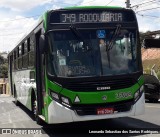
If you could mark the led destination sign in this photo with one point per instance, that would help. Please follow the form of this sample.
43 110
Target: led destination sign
98 16
91 17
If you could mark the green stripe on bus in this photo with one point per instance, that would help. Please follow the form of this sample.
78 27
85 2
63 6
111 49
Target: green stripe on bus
93 7
96 97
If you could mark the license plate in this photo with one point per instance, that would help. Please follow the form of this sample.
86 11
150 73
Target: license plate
102 111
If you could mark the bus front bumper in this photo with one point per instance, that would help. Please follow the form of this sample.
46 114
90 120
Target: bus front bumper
58 113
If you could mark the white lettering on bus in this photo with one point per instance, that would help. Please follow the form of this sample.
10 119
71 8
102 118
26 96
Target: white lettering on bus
80 17
91 17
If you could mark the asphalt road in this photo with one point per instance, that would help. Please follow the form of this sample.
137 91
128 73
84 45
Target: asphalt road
15 117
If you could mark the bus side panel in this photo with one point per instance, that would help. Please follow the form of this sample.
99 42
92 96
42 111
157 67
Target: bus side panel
23 87
140 106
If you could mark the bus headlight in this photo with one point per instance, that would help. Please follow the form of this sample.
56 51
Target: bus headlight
54 95
136 95
59 98
141 89
65 101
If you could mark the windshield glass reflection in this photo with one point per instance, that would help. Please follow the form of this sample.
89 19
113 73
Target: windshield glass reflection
92 54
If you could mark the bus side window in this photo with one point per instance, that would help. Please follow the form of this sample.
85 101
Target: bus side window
20 63
25 55
20 57
15 56
31 47
16 59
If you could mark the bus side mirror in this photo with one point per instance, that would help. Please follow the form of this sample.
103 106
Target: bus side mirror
151 43
42 44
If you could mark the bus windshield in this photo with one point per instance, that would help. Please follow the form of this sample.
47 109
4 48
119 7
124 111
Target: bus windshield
92 54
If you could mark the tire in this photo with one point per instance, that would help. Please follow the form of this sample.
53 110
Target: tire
150 100
154 87
150 79
15 96
34 110
155 100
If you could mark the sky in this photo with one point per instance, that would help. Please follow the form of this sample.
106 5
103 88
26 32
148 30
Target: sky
19 16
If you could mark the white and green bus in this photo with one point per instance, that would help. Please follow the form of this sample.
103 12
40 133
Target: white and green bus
79 64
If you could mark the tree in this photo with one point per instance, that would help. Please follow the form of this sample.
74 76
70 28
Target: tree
1 60
3 68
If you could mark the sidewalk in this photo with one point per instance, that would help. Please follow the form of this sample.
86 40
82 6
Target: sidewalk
5 95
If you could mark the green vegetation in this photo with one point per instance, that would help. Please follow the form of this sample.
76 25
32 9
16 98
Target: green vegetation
3 67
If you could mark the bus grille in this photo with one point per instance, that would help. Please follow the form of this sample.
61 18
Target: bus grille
93 85
118 107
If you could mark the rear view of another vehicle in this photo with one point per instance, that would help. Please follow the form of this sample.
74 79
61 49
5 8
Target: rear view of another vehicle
152 88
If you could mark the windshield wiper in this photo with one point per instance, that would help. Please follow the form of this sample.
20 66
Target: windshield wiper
76 32
114 36
80 37
111 43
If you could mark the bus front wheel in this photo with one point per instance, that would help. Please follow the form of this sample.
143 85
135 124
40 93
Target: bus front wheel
15 96
34 109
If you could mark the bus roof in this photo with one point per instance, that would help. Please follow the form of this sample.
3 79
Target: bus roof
93 7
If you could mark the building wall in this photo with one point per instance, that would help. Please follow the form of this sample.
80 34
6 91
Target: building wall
4 86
